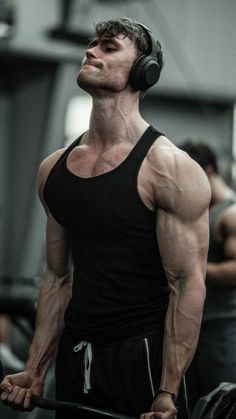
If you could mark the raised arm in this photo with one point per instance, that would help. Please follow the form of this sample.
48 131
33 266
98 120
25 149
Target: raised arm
182 197
53 299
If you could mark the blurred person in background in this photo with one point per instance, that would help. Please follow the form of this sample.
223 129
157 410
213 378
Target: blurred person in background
119 202
215 358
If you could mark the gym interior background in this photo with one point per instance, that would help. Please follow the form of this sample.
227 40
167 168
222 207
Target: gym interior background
42 43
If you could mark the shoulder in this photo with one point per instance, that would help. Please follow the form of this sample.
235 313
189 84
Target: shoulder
168 156
48 163
45 168
177 178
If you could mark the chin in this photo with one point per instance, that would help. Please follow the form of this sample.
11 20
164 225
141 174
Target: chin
88 85
91 83
85 82
87 77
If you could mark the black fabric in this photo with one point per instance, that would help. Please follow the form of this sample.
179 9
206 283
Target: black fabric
120 379
119 288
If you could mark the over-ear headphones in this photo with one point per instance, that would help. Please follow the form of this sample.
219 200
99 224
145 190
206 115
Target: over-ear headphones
146 70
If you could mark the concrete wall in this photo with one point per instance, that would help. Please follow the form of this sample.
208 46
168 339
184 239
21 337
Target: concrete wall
198 37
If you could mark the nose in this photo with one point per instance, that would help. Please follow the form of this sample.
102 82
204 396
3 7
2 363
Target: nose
91 52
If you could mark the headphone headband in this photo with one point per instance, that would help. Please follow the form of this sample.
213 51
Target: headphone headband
152 46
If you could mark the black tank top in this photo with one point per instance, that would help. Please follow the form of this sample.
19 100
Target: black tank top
119 285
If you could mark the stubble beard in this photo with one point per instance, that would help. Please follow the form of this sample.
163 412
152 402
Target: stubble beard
96 82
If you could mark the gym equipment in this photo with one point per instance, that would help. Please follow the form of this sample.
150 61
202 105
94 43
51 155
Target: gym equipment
60 405
218 404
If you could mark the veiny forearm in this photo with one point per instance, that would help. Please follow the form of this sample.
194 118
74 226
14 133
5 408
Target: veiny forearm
181 332
222 274
54 296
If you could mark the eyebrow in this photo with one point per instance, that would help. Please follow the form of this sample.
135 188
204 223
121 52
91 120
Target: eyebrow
104 41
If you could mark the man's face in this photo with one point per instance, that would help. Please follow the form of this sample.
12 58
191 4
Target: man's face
107 64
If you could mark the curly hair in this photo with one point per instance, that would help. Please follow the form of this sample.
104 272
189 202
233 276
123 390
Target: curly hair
130 29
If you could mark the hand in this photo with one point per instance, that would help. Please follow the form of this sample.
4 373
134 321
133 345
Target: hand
17 390
162 408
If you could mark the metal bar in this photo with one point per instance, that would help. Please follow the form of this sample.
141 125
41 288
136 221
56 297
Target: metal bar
60 405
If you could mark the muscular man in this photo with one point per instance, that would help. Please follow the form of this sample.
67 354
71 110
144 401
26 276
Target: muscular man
131 211
215 357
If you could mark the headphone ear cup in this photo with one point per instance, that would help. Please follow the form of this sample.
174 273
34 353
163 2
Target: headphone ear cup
144 73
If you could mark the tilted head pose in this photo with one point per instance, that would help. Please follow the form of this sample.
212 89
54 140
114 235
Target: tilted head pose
127 240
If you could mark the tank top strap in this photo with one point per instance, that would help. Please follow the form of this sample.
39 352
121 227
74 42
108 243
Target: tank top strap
68 150
73 144
142 147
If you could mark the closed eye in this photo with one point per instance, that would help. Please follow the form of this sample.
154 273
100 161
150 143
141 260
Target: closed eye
109 45
109 49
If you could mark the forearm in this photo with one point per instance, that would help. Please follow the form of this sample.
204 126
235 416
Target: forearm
181 333
222 274
54 296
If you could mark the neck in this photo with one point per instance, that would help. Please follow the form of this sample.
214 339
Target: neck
114 120
220 191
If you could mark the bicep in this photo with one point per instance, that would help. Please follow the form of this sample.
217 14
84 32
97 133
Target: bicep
57 243
57 247
43 172
183 244
182 227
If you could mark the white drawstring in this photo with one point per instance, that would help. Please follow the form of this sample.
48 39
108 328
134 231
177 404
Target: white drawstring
87 362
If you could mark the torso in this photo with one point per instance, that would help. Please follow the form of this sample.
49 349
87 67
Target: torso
85 162
120 225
